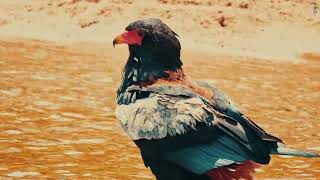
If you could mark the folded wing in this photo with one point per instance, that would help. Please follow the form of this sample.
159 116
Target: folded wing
174 124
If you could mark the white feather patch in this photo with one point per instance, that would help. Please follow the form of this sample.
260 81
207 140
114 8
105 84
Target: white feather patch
159 115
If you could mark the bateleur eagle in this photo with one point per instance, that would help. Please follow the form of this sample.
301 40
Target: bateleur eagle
184 129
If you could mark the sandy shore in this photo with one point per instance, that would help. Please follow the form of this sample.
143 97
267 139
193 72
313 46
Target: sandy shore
59 73
277 30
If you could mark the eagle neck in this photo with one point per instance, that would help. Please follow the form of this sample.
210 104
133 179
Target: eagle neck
143 70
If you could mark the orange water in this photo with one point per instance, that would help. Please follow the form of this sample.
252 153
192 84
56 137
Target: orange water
57 110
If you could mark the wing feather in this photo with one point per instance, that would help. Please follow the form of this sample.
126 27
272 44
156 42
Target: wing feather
169 111
161 111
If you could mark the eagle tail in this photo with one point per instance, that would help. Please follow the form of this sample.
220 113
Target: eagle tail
281 149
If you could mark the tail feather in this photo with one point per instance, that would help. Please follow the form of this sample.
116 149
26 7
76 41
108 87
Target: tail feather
241 171
281 149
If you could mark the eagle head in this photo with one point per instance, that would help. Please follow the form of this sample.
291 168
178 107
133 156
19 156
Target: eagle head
154 50
148 32
152 42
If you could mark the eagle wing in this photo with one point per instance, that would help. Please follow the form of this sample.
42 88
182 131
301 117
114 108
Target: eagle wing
198 134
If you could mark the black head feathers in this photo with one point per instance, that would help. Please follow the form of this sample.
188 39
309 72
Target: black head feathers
151 25
155 34
154 49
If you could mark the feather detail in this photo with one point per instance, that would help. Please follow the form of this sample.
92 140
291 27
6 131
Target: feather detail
281 149
241 171
159 111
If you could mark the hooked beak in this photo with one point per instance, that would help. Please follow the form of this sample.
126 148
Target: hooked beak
120 39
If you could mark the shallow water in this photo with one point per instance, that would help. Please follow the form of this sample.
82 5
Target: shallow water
57 111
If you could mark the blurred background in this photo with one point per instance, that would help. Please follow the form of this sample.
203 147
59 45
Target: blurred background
59 74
